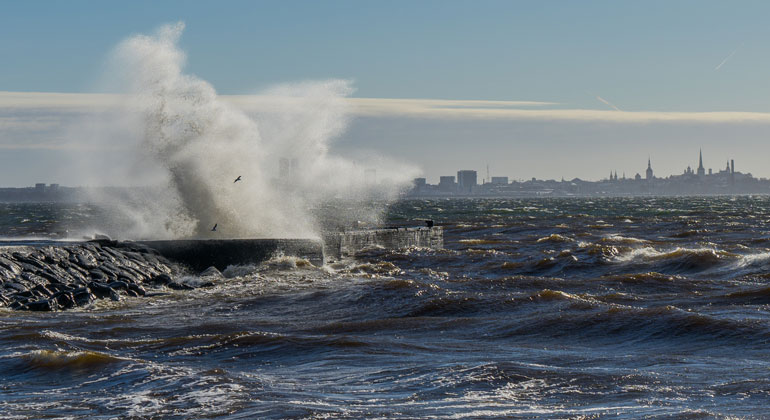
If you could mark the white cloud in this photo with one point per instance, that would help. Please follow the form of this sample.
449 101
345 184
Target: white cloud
11 102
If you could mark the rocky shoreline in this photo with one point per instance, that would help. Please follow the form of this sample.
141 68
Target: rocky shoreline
50 278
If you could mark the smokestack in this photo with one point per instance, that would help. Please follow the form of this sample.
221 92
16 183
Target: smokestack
732 166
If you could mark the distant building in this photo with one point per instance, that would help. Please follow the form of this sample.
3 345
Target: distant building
466 181
284 169
649 170
447 184
701 169
500 180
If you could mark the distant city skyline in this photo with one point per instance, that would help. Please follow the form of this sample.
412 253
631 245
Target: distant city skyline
647 173
550 90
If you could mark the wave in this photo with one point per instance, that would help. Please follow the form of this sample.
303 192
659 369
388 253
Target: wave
754 260
75 360
591 319
622 240
679 259
480 241
555 237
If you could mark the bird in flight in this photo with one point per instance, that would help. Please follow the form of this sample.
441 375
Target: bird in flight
237 179
214 229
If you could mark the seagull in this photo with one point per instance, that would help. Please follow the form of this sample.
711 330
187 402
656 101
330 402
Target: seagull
214 229
237 179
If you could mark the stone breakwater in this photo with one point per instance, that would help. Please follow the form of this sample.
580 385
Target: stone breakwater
55 277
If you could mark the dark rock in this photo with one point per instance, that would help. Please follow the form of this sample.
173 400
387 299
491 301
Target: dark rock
137 289
114 296
10 265
118 285
32 279
28 259
86 261
97 275
24 294
42 290
99 290
58 287
41 305
108 274
82 297
27 268
61 275
179 286
64 299
161 279
15 286
76 274
6 274
55 254
46 274
128 277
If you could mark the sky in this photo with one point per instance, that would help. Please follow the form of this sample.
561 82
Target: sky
545 89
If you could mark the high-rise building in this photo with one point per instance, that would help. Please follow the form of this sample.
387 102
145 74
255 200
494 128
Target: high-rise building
466 181
447 184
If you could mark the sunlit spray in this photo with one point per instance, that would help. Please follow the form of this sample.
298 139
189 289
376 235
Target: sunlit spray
198 143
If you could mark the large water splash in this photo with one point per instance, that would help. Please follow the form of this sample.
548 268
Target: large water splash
277 143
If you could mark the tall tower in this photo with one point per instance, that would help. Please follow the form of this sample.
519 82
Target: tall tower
732 171
649 170
701 169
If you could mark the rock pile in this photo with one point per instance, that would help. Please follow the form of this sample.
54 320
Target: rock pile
60 277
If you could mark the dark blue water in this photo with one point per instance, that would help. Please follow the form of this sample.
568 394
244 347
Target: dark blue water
551 308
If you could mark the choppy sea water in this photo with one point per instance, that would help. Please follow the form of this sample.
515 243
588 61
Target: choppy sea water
542 308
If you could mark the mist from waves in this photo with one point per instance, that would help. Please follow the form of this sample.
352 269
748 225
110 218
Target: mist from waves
187 146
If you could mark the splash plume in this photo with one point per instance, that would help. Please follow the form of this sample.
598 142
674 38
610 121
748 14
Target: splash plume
202 143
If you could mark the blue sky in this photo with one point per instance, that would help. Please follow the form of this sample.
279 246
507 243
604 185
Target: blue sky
660 56
652 55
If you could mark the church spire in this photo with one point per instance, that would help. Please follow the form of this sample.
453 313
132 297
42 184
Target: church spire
649 169
701 170
700 159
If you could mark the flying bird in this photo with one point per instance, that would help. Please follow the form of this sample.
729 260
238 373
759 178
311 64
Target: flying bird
214 229
237 179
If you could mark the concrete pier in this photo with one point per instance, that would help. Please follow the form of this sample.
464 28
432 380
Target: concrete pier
348 244
200 254
203 253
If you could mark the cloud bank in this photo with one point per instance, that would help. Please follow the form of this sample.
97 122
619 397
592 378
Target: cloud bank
519 138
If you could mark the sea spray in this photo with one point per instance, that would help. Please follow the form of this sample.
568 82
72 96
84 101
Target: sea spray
279 144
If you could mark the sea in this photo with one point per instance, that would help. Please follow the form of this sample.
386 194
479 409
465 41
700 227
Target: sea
556 308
